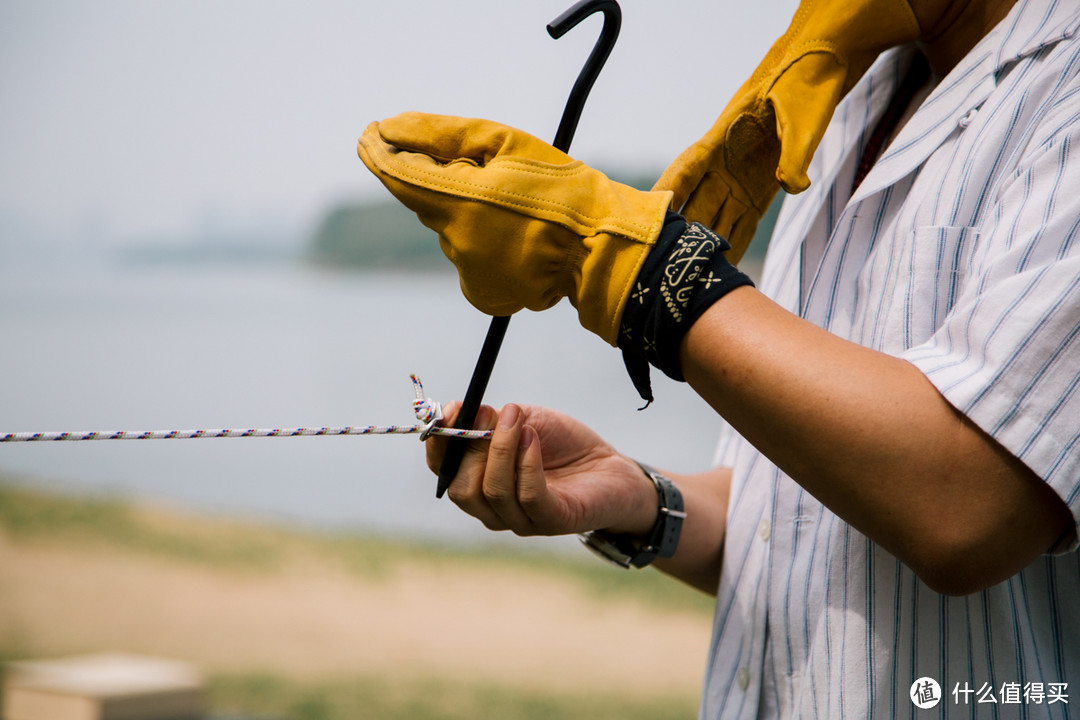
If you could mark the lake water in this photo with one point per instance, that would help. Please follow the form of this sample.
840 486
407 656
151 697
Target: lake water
93 344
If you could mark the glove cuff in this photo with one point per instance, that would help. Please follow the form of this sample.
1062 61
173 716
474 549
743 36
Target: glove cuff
686 272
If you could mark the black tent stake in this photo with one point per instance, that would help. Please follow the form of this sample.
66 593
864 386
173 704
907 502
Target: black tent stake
455 450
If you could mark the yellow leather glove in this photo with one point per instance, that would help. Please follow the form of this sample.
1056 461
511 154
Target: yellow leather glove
525 224
767 134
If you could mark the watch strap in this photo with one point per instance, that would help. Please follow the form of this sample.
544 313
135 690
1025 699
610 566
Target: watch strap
662 539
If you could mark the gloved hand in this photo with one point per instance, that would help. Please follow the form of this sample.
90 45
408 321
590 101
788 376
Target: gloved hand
767 134
525 224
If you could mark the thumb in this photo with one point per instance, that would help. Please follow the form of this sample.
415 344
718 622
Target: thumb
804 99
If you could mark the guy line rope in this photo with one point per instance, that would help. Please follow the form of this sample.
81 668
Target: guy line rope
428 412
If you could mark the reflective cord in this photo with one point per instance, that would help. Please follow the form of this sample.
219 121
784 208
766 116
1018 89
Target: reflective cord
428 412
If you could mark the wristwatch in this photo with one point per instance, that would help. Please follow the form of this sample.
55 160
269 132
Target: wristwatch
662 539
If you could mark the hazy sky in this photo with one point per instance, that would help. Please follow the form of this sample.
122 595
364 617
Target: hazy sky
144 118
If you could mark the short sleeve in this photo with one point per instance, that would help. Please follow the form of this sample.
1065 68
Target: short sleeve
1008 352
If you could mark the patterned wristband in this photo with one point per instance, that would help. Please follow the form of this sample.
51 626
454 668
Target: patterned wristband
682 277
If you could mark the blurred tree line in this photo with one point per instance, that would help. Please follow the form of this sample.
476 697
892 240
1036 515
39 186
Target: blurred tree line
385 234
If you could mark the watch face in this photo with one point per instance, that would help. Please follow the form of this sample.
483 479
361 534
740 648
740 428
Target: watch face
605 549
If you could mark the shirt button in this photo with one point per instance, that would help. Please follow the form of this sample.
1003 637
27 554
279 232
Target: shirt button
743 678
763 531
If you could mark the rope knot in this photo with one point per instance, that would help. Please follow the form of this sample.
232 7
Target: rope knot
427 411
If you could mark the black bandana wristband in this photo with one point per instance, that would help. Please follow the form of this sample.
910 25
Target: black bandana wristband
684 274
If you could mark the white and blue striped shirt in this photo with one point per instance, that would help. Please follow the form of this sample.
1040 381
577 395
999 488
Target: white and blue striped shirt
960 252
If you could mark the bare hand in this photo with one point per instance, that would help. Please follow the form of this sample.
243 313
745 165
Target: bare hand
544 473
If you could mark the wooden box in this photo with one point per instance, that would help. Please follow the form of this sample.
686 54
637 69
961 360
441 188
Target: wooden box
103 687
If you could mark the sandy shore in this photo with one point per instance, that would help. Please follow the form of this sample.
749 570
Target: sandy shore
309 616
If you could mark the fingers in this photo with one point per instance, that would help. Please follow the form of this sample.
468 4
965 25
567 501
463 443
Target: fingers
501 474
533 492
448 138
501 481
441 136
682 176
731 213
467 488
742 232
707 201
435 445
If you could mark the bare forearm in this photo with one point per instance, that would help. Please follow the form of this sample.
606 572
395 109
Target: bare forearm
871 438
697 560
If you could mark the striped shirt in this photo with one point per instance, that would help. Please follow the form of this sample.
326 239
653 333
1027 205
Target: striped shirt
960 252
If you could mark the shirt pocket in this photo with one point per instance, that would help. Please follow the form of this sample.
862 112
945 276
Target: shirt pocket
924 275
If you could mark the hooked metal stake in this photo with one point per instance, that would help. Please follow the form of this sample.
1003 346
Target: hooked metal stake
609 33
558 27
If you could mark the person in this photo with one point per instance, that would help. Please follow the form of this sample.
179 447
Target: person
892 520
